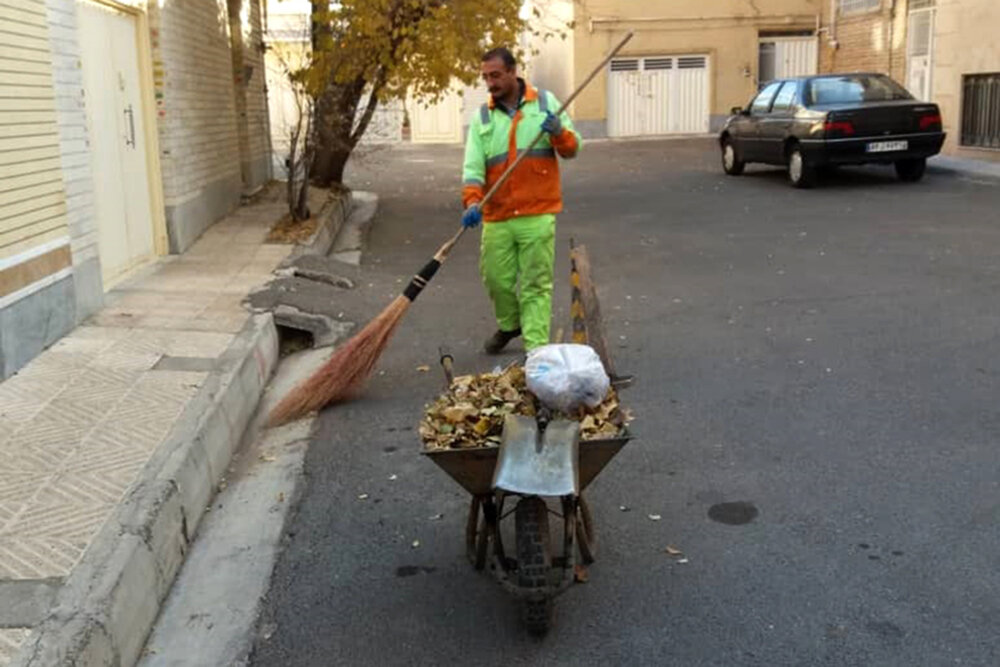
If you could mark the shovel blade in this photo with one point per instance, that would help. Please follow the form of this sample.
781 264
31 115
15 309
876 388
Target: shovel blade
538 463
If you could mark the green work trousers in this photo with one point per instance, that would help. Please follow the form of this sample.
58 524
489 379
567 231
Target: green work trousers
520 253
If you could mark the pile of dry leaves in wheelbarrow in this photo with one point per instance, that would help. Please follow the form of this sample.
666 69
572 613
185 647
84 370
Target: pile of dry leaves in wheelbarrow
472 413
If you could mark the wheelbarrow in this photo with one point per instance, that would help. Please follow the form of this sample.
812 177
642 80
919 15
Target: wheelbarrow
542 468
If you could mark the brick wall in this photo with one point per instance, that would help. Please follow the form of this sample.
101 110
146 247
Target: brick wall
74 152
194 89
868 42
258 127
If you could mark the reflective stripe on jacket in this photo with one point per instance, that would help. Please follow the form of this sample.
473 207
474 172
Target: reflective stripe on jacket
494 142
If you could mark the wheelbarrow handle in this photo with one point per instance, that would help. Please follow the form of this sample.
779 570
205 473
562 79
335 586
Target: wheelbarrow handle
447 365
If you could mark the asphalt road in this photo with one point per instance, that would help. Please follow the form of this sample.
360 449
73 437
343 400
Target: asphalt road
830 357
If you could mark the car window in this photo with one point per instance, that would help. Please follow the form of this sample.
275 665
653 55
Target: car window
762 103
855 89
785 100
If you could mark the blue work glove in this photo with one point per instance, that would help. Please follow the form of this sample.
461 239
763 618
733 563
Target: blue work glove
472 217
552 124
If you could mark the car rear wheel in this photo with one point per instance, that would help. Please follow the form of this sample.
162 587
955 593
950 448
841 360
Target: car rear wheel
911 171
801 174
731 163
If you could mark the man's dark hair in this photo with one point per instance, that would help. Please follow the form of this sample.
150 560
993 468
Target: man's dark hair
504 54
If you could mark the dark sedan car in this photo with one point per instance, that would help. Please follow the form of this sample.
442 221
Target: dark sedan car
809 123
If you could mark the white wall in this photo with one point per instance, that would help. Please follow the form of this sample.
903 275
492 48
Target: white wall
552 67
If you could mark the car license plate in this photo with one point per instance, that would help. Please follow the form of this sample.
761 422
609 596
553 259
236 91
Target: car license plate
887 146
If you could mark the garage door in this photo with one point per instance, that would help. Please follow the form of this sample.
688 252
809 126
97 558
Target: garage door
658 95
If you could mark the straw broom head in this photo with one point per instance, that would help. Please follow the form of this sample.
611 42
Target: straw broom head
344 374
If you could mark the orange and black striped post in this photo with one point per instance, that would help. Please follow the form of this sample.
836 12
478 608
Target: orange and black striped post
585 310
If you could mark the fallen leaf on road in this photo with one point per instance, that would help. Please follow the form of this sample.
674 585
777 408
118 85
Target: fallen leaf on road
281 497
580 574
416 544
267 458
423 369
674 552
654 517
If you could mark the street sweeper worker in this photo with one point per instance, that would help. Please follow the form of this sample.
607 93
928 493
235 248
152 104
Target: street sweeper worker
518 239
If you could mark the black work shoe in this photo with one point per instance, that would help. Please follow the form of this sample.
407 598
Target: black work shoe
499 340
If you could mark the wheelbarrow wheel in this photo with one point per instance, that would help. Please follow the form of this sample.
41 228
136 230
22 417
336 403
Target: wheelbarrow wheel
534 562
476 535
586 538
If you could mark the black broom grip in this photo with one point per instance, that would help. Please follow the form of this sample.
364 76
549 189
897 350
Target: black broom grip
419 281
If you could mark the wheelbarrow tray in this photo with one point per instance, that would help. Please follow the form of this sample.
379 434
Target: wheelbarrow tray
473 468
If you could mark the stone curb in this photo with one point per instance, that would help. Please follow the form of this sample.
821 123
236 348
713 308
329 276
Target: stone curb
109 603
350 243
332 216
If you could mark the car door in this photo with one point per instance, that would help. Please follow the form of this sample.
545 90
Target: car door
773 127
759 108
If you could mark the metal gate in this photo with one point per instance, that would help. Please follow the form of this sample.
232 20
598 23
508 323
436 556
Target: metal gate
439 122
920 50
785 57
658 95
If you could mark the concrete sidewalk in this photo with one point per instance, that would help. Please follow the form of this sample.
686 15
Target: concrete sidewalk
112 441
966 167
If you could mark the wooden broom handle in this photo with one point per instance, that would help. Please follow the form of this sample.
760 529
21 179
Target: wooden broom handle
442 253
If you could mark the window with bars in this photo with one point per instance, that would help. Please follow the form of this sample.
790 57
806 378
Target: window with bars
856 6
981 110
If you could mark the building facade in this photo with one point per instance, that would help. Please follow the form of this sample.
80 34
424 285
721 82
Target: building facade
943 51
126 129
966 75
864 36
688 64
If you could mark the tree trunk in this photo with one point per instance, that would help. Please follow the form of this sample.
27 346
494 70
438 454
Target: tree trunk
328 169
335 112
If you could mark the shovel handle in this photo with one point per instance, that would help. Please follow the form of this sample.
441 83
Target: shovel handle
447 365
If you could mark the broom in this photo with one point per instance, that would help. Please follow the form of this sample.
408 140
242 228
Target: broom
344 374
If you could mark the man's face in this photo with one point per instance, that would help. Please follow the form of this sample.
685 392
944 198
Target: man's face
500 81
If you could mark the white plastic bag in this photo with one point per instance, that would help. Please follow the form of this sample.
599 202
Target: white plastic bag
564 377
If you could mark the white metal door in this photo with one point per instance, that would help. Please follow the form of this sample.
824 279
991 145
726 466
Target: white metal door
658 95
122 201
786 57
795 57
919 52
626 98
689 109
437 123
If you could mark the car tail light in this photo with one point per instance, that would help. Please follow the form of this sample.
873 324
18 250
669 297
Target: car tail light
930 122
844 128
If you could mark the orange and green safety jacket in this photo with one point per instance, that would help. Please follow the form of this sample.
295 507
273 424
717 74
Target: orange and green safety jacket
495 140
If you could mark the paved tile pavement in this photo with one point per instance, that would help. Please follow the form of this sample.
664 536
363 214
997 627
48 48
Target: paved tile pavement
79 422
